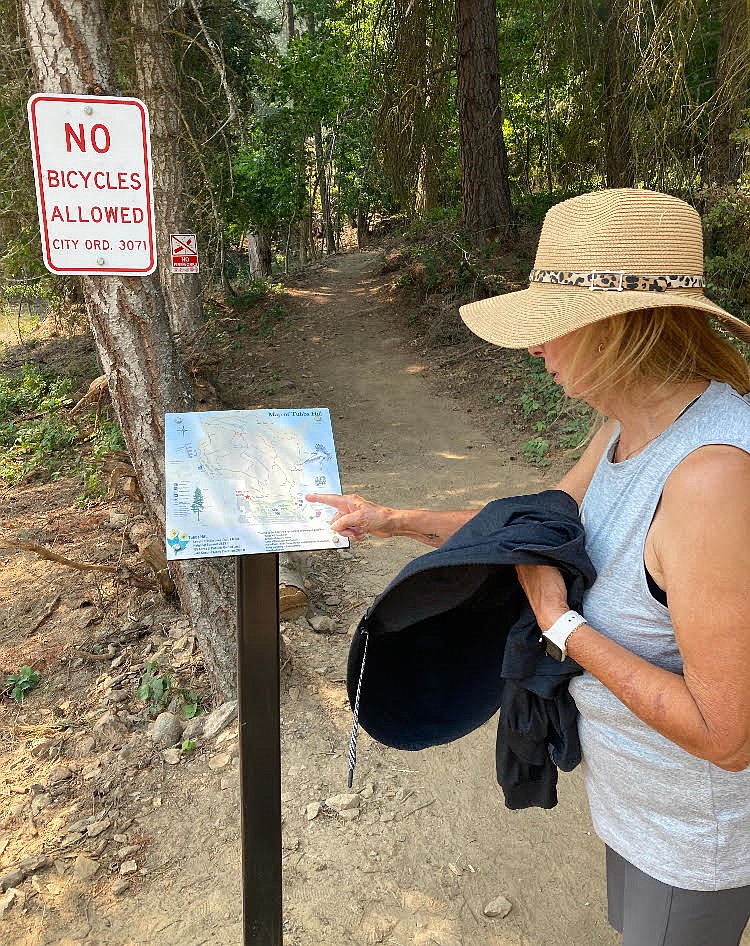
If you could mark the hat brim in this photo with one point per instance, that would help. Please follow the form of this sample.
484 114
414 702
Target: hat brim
546 311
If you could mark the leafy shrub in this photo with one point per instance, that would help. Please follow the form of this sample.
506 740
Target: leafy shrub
19 684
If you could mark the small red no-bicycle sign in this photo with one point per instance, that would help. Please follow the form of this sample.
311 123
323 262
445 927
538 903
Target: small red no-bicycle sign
92 162
184 247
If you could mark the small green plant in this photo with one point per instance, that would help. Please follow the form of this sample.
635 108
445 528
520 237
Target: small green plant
270 318
22 682
94 489
536 450
187 747
154 688
160 692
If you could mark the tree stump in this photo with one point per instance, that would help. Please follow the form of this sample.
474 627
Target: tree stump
293 599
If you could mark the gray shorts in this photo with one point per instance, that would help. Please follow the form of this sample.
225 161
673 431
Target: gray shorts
650 913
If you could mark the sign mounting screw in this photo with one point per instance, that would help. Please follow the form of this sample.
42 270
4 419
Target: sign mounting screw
88 110
100 261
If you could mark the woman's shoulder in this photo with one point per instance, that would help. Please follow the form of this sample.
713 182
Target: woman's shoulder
713 477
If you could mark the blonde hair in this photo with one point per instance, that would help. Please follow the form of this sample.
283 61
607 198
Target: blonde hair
664 346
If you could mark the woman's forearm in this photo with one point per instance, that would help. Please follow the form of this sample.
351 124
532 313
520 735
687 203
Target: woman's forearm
660 698
428 525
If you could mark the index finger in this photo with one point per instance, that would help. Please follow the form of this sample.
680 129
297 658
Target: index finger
328 499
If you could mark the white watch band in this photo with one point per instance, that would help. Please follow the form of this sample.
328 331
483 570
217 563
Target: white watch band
563 628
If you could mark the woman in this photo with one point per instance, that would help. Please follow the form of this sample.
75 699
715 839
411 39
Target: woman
616 309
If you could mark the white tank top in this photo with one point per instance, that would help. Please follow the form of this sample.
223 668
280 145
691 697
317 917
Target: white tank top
678 818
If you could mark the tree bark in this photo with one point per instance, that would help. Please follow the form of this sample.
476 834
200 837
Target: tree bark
428 181
320 166
289 16
157 78
304 230
724 155
363 227
619 170
259 253
486 206
69 47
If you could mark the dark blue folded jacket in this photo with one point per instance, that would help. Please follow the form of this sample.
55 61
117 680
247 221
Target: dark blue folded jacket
452 639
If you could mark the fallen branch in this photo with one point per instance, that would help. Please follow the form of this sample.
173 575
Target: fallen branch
48 611
45 553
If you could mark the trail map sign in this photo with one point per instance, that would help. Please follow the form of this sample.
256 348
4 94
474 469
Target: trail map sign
92 162
236 482
184 247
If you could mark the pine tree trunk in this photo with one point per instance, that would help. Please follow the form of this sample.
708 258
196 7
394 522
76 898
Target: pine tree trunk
325 201
619 170
157 78
304 230
363 229
724 155
428 180
259 253
70 53
289 16
320 167
486 207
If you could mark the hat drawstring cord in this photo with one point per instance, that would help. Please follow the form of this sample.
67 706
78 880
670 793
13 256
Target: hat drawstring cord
355 724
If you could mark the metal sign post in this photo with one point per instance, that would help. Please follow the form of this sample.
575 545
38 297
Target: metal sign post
260 747
237 485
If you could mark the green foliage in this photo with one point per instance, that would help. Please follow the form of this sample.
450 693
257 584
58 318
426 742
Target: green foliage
726 224
556 420
536 451
161 693
38 437
188 747
21 683
32 391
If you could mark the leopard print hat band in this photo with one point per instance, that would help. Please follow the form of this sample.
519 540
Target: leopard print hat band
616 280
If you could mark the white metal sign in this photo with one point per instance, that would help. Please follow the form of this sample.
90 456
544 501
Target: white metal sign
184 248
92 161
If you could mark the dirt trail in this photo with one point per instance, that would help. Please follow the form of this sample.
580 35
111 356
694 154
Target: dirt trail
433 843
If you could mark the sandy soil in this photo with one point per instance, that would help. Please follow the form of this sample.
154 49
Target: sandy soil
432 844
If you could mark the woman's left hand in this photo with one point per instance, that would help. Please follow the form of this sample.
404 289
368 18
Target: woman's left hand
545 588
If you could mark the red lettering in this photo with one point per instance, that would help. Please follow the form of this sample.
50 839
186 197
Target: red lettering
94 144
111 214
85 175
97 175
125 215
78 138
135 181
53 178
96 214
122 181
56 213
137 215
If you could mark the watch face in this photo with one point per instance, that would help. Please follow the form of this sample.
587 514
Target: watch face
553 650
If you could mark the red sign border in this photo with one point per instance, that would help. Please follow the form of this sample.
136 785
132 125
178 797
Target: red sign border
88 99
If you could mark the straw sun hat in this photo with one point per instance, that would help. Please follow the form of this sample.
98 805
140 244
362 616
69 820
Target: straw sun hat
603 254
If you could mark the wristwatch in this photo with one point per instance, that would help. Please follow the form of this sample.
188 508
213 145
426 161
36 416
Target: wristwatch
556 637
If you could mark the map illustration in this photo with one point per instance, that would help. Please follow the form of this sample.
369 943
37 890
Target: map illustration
236 482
